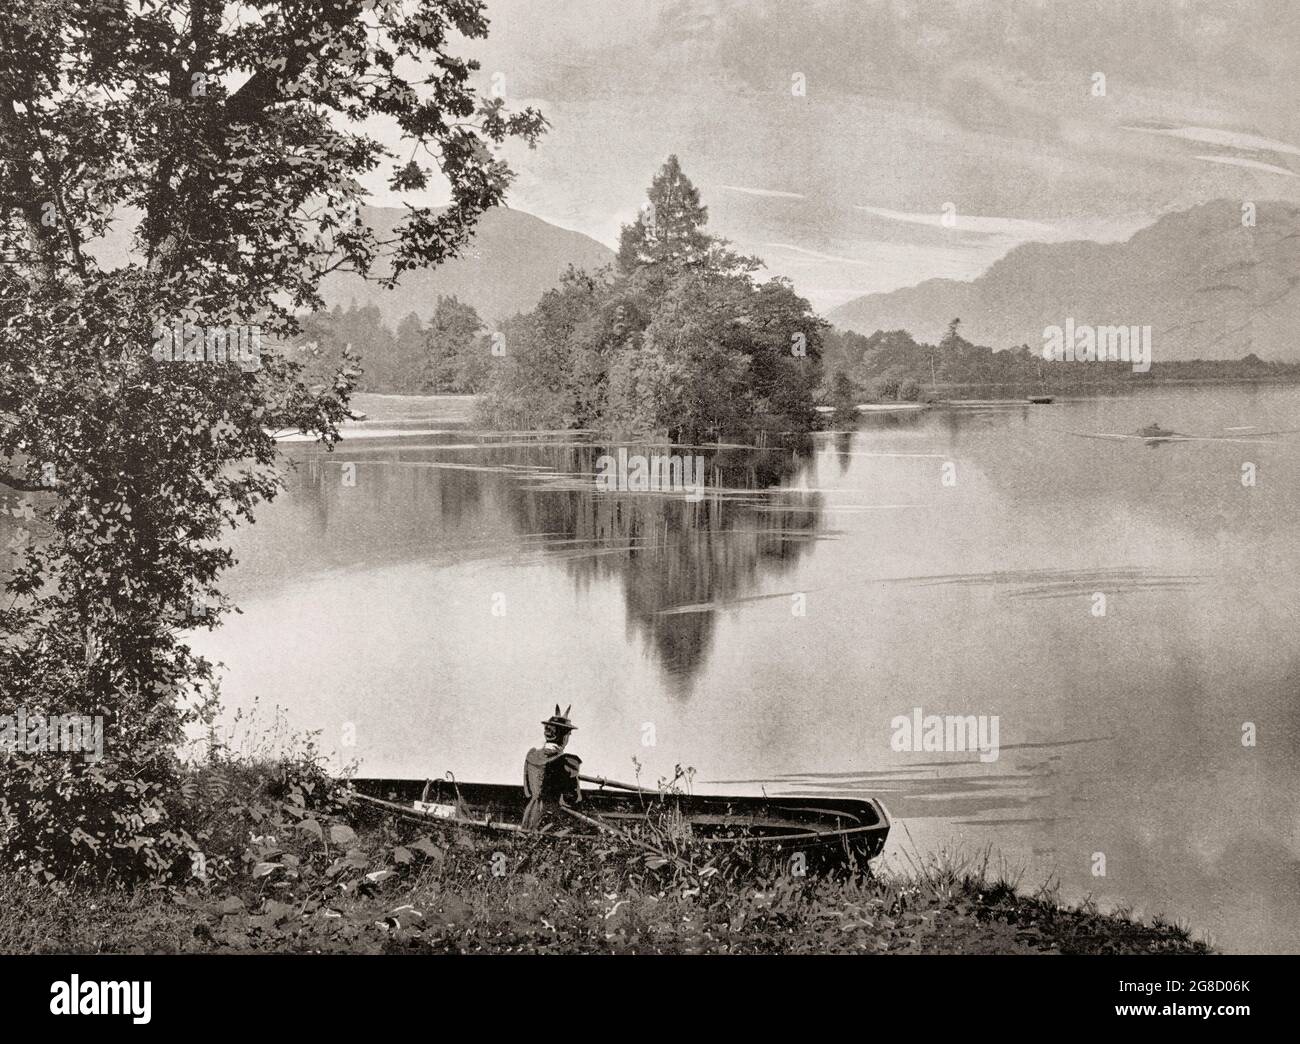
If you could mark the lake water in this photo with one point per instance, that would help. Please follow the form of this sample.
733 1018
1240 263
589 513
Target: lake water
425 594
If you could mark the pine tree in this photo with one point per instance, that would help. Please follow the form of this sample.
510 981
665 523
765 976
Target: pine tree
669 230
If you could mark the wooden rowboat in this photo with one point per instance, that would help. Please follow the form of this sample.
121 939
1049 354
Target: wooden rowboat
829 832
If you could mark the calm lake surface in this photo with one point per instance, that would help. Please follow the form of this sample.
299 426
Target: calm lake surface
430 592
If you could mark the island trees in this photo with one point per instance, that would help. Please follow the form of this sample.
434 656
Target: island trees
679 340
232 137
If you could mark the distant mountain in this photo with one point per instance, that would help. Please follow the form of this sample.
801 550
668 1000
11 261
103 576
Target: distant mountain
1209 287
511 261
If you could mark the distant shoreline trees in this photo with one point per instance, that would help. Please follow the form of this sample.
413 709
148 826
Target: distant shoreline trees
451 354
890 365
454 354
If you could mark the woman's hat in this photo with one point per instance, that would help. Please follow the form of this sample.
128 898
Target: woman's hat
561 721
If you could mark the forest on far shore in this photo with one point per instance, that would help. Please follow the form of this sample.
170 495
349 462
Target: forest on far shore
453 353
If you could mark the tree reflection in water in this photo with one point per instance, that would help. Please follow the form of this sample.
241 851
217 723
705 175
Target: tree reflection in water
468 497
676 558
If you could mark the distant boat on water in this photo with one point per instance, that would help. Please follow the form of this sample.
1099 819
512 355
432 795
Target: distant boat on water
1154 431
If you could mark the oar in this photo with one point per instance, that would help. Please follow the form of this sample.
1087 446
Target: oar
617 785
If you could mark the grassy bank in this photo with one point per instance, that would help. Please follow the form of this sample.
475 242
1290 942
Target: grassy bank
292 866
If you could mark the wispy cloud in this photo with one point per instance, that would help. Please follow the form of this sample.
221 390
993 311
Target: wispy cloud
1240 161
1224 138
985 226
820 256
763 192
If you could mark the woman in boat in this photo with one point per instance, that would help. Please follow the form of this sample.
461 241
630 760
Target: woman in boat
551 775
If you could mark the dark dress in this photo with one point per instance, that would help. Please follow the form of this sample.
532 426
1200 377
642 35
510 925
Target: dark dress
550 776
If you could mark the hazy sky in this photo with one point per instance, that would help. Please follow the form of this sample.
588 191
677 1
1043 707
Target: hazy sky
986 105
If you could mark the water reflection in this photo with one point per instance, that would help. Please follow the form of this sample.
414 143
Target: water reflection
665 549
447 498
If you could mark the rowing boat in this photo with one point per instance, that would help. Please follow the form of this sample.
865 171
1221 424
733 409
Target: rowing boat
829 832
1153 432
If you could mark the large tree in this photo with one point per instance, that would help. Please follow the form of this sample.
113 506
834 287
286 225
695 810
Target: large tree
452 353
232 137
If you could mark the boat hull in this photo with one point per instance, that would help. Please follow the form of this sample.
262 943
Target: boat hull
826 832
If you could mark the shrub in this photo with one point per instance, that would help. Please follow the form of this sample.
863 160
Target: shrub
62 819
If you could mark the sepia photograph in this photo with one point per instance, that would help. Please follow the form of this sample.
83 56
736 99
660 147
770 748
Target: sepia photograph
649 477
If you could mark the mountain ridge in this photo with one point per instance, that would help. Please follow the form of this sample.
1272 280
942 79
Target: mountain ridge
1209 286
511 260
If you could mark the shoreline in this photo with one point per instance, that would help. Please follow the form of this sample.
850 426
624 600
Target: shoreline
293 866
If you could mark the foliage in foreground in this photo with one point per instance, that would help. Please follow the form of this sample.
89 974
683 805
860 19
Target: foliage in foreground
292 865
231 138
